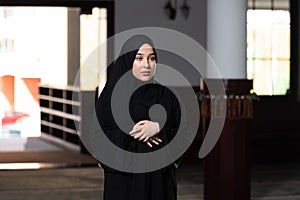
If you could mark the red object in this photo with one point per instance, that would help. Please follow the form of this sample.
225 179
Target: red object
13 117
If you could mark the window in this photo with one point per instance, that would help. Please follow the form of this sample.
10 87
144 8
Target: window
268 46
93 33
33 43
33 48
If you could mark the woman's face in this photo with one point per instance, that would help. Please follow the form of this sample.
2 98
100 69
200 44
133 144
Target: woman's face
144 63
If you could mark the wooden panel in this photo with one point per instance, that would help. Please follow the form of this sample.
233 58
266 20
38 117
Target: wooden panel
227 166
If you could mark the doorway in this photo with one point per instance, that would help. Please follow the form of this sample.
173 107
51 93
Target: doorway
33 48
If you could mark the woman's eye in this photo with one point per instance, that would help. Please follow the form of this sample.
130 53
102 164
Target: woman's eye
138 58
152 58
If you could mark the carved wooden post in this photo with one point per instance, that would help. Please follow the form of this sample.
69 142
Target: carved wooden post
227 166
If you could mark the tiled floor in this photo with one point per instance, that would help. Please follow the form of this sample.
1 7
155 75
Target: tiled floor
276 181
281 182
269 181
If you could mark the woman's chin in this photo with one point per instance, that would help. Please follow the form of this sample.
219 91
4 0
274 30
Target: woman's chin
144 78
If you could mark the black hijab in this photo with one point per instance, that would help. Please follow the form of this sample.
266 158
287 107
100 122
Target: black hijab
126 58
144 95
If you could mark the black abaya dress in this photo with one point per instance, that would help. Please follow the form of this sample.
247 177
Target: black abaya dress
155 185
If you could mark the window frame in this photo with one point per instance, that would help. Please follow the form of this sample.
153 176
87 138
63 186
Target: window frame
295 53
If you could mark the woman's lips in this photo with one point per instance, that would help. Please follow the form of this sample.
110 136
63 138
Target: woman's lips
145 73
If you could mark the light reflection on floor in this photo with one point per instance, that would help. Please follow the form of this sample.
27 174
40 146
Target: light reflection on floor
14 166
26 166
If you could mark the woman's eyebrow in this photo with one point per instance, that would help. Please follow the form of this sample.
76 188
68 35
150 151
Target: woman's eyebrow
139 53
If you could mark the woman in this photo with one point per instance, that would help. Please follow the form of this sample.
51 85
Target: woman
139 58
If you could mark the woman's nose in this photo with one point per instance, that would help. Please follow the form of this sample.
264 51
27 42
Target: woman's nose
146 63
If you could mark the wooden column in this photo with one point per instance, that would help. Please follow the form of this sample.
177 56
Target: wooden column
227 166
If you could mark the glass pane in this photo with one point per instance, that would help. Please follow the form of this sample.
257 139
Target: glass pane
33 43
267 4
250 69
268 51
270 77
262 77
33 48
263 4
281 35
282 4
263 43
281 48
93 33
281 74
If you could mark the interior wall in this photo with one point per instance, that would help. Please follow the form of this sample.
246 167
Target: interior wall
142 13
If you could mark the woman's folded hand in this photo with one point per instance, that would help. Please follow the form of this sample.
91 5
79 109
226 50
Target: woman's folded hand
145 131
